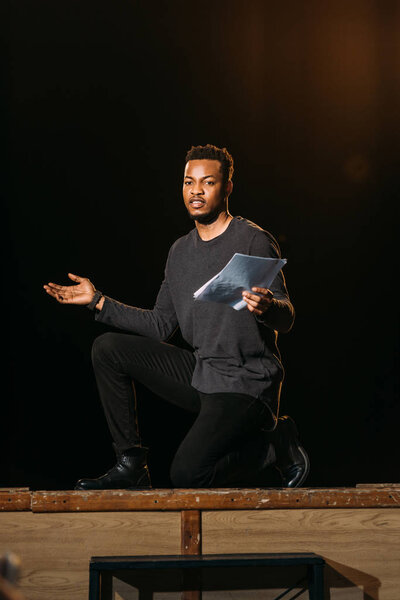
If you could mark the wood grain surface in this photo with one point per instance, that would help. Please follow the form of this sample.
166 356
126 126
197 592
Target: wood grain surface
15 499
191 532
378 485
191 544
55 549
361 547
360 542
218 499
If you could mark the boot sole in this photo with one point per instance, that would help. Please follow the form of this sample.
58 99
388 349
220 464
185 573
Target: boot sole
306 469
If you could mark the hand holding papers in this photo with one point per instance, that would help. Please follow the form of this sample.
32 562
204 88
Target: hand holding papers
241 273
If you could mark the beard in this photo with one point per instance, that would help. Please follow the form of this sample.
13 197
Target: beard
207 218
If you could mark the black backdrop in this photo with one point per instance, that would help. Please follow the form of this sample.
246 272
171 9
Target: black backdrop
102 100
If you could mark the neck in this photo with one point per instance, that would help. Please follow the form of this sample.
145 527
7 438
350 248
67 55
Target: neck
208 231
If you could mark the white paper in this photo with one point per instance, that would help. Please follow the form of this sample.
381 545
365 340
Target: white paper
241 273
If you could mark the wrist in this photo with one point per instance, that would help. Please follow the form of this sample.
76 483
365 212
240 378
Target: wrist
100 304
96 300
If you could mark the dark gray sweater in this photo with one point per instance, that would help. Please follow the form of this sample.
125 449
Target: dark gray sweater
235 351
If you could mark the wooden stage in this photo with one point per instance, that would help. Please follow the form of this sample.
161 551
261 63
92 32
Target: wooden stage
356 530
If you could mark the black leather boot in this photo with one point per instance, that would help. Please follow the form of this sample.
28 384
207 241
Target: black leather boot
291 460
131 472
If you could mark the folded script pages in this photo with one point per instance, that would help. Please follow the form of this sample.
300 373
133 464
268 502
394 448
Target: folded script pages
241 273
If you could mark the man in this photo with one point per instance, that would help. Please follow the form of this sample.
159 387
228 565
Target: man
232 378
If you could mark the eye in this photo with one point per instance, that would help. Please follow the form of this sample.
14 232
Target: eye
210 182
187 182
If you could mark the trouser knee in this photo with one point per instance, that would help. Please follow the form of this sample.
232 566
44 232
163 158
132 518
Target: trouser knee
105 346
184 474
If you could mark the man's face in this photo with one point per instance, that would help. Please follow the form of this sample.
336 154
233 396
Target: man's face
203 190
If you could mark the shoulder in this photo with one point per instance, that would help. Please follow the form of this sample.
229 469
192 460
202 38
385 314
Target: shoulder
261 239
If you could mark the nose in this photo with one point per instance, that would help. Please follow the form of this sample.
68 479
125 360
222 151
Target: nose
197 189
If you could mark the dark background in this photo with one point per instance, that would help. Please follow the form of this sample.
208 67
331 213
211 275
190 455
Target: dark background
101 102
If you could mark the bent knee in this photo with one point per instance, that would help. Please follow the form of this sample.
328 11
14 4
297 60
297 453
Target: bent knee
186 475
104 345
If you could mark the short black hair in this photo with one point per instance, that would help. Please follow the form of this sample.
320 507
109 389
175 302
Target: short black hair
210 152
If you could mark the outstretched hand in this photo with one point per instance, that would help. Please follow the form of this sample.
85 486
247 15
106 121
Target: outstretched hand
258 302
81 293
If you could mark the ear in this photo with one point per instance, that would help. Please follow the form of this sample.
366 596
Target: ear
228 188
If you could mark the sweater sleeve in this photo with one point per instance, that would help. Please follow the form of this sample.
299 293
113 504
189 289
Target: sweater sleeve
158 323
280 315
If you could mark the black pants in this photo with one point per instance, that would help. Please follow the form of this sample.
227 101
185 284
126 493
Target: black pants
225 442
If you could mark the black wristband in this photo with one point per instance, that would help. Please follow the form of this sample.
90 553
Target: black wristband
96 298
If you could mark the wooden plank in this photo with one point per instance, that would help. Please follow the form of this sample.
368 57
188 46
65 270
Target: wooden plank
191 532
216 499
361 547
55 549
15 500
191 544
378 485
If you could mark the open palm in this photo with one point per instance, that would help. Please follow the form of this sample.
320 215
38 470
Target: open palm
81 293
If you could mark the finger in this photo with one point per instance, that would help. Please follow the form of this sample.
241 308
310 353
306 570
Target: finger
58 296
75 277
256 298
65 291
254 310
255 303
50 291
69 291
263 291
55 286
